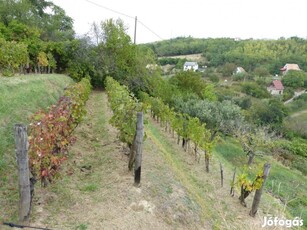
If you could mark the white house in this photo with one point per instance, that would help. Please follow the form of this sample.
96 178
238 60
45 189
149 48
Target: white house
239 70
190 66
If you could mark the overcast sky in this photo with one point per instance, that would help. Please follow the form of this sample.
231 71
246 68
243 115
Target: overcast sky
167 19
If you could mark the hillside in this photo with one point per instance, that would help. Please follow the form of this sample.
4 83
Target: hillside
20 97
97 192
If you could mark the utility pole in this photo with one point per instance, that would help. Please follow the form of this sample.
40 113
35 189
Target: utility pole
136 20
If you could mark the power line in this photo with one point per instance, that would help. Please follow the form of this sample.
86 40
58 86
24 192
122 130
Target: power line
107 8
150 29
125 15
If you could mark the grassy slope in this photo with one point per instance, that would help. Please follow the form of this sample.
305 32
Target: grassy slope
287 185
20 97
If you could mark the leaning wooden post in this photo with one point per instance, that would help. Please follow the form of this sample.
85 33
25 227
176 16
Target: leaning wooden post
21 143
257 197
138 148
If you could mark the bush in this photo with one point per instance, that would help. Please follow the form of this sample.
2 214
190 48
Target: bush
244 103
239 76
298 103
294 79
50 131
253 89
214 78
297 146
288 94
168 61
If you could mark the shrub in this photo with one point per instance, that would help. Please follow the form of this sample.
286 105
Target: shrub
253 89
51 131
288 94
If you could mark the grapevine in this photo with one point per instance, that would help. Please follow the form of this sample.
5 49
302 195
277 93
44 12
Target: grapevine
124 106
50 132
190 129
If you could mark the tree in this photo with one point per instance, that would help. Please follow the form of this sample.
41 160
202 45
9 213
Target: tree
255 90
254 141
294 79
84 62
116 50
30 23
57 26
189 82
265 113
228 69
42 61
261 72
222 117
12 56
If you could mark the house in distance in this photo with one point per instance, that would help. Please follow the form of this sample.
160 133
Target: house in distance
288 67
190 66
239 70
276 88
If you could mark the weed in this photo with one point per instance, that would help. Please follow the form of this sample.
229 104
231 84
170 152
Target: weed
82 227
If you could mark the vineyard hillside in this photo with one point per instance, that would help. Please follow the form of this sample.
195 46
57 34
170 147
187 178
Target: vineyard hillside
96 189
20 97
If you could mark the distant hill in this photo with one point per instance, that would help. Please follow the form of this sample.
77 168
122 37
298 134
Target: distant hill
250 53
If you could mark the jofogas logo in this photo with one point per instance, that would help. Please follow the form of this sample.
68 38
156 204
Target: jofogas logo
275 221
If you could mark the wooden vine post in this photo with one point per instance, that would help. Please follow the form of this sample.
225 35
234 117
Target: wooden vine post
258 193
21 143
232 186
138 148
222 174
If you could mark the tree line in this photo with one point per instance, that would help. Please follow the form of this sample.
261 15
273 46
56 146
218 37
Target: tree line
36 36
249 53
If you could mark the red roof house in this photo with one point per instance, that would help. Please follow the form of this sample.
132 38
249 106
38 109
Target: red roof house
276 87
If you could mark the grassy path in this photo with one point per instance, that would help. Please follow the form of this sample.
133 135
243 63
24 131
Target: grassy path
298 113
96 190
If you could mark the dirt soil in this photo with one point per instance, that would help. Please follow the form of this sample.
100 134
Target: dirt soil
96 189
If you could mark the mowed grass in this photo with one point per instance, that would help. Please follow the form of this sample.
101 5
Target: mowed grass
287 185
20 97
